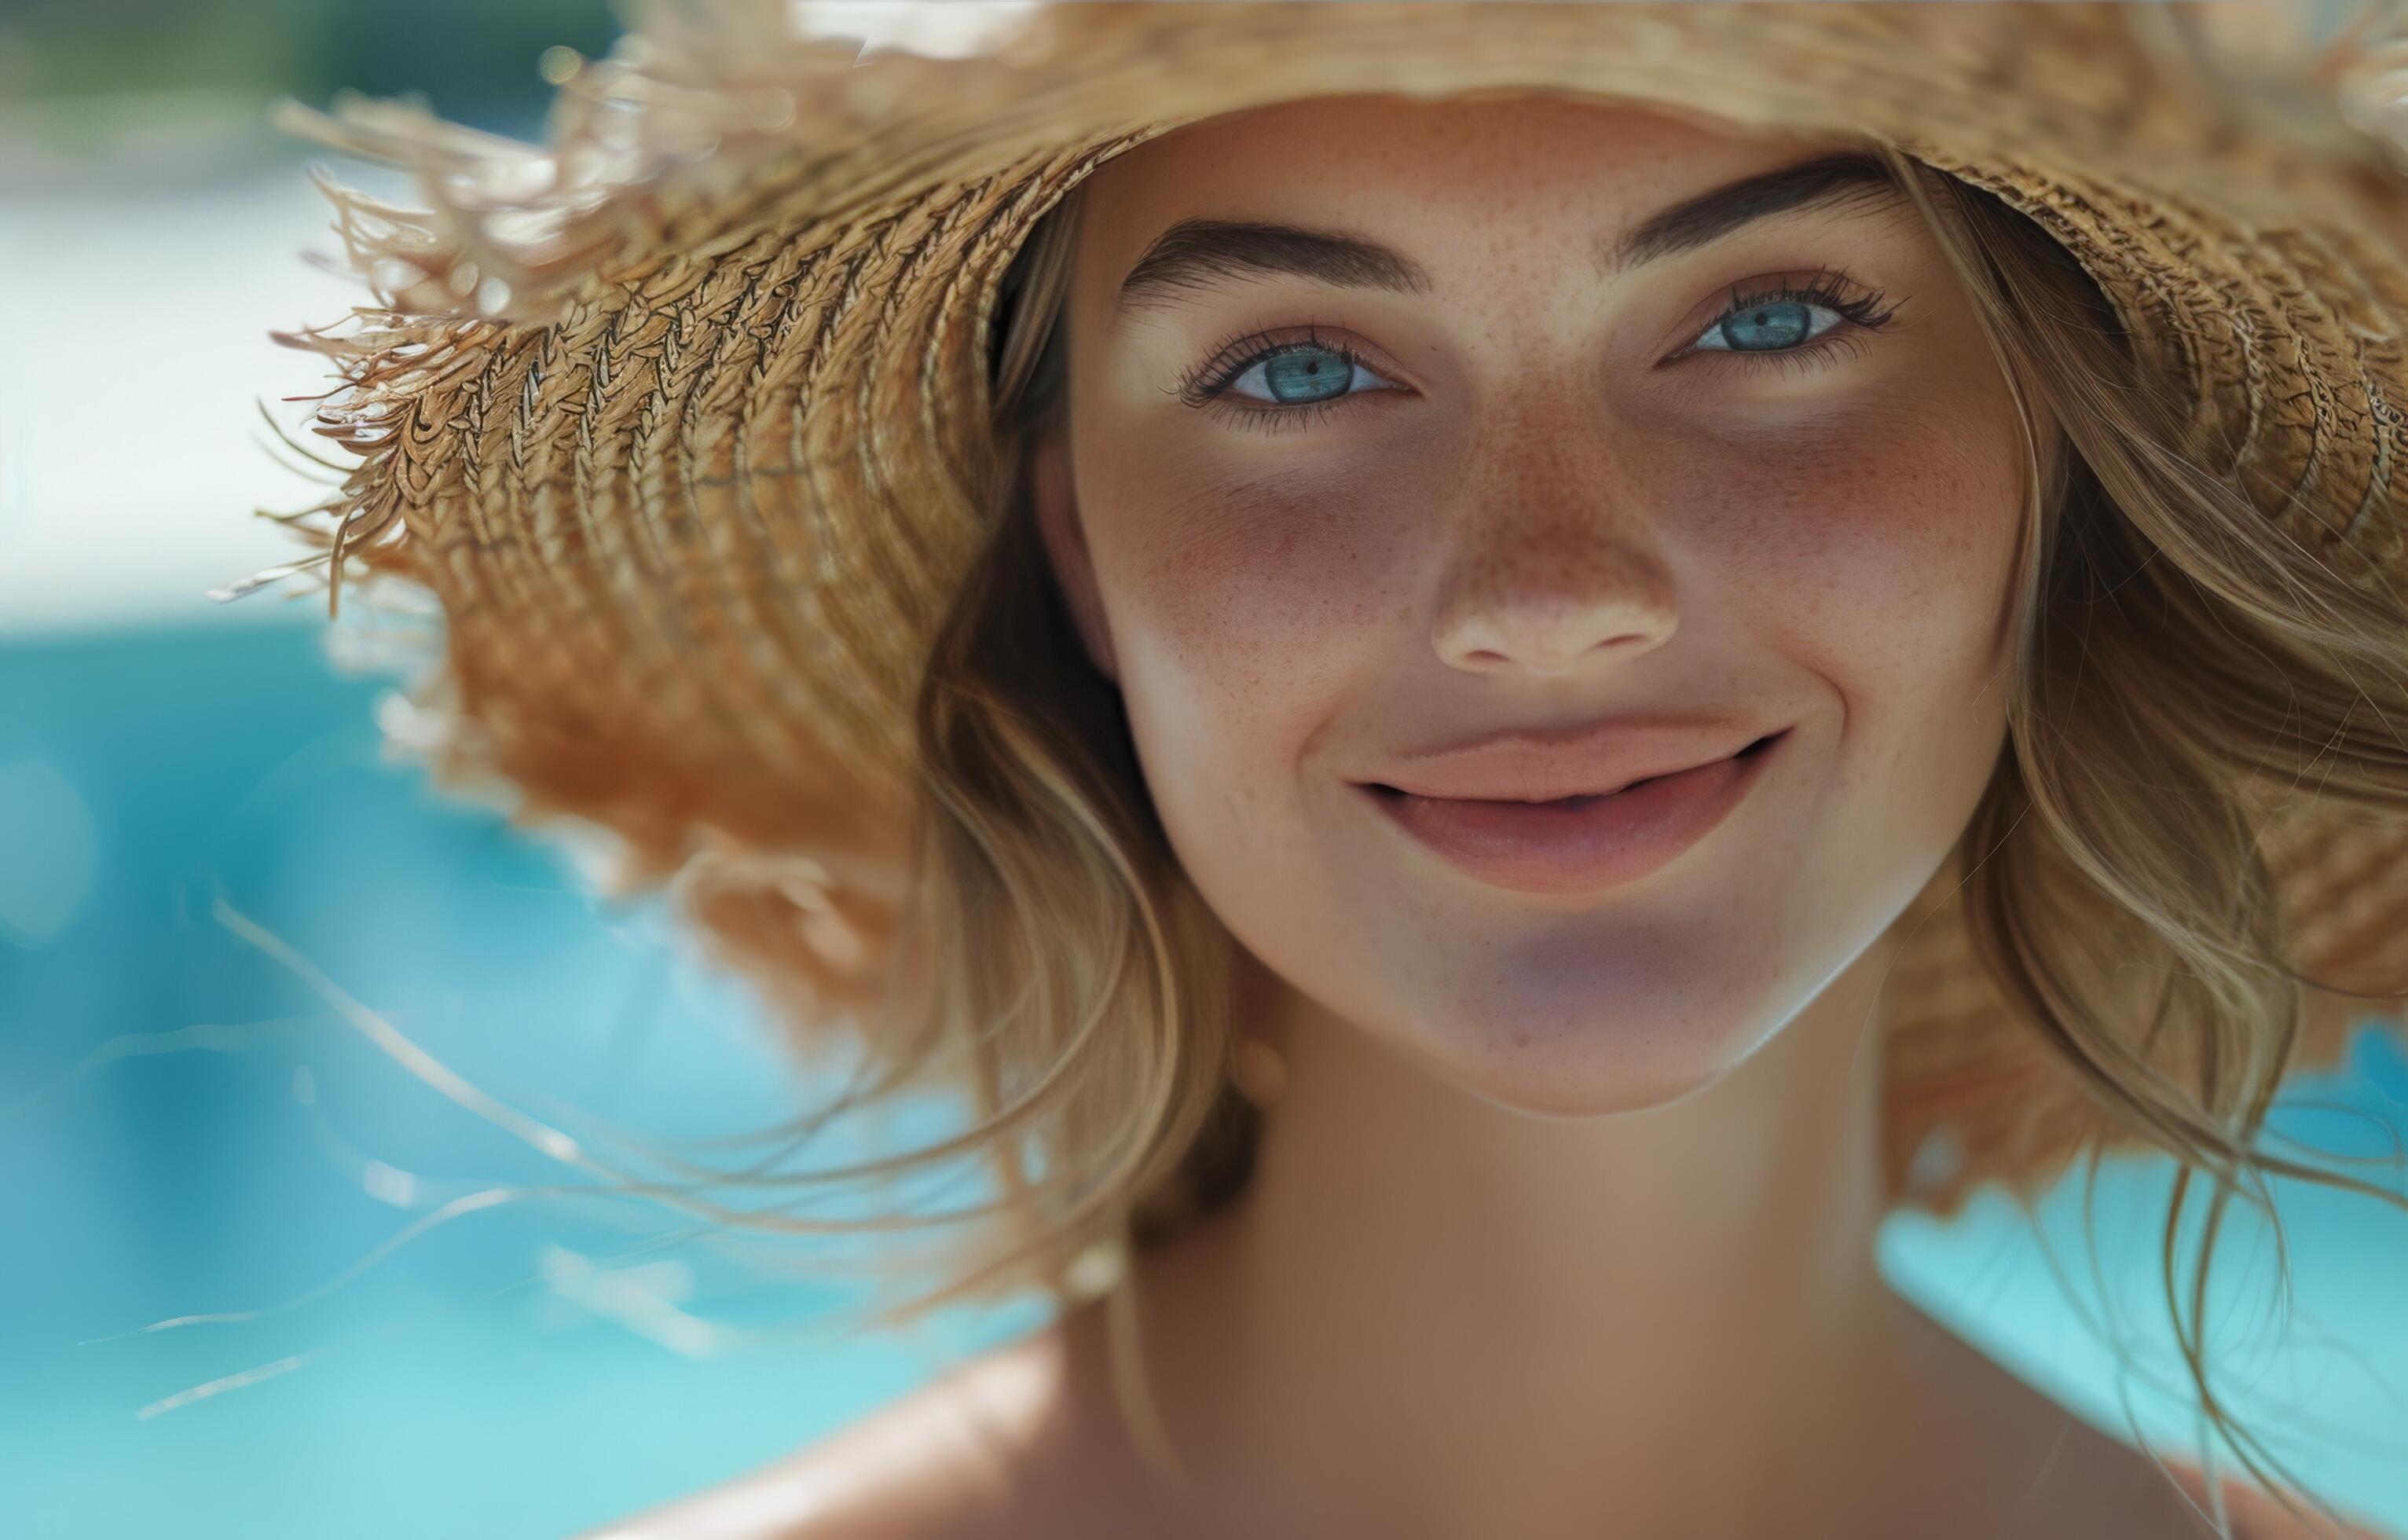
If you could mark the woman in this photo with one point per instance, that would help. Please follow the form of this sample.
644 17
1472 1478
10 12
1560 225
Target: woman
1520 591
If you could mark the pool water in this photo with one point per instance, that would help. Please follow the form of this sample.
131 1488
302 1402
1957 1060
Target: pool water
216 893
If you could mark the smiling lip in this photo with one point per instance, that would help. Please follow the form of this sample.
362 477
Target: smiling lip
1580 843
1541 765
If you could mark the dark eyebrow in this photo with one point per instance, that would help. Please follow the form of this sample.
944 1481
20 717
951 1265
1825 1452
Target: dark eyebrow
1196 252
1848 176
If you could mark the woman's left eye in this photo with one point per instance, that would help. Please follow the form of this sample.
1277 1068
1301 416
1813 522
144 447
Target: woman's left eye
1768 327
1785 320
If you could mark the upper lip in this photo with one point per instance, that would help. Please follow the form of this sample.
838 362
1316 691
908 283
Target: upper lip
1593 760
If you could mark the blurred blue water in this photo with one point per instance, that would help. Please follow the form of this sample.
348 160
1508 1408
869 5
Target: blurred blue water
529 1370
458 1388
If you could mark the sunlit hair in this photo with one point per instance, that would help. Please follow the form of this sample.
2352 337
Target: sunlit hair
1056 964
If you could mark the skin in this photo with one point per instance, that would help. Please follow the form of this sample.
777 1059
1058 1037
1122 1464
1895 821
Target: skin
1563 1222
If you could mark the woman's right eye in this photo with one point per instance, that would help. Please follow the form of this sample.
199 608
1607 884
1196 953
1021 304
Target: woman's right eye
1302 374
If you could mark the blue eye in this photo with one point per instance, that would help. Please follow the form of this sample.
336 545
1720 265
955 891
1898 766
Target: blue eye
1783 323
1300 374
1785 320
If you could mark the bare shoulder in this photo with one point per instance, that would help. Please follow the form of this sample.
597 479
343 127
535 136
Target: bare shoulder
2116 1490
1001 1446
2256 1516
2052 1476
2140 1500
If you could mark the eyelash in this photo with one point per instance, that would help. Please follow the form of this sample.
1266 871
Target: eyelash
1208 383
1207 386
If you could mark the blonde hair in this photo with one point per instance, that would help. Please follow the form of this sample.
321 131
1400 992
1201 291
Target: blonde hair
2174 649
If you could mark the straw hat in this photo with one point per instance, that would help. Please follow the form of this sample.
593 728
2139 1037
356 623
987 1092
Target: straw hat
683 418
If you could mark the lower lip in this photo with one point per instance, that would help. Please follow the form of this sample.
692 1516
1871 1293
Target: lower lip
1579 844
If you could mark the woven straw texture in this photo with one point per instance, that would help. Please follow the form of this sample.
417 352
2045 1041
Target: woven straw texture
681 418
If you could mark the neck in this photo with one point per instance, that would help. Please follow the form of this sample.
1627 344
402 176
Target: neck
1435 1315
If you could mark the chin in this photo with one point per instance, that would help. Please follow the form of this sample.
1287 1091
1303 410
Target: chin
1590 1085
1573 1030
1596 1067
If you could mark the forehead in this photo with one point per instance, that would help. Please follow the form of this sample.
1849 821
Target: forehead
1427 174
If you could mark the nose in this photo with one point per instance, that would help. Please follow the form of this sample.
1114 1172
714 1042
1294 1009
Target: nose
1555 575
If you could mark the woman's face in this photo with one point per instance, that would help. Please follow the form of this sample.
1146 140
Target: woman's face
1522 492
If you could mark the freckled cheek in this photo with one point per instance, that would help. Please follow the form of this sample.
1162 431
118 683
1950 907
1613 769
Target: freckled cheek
1887 553
1260 598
